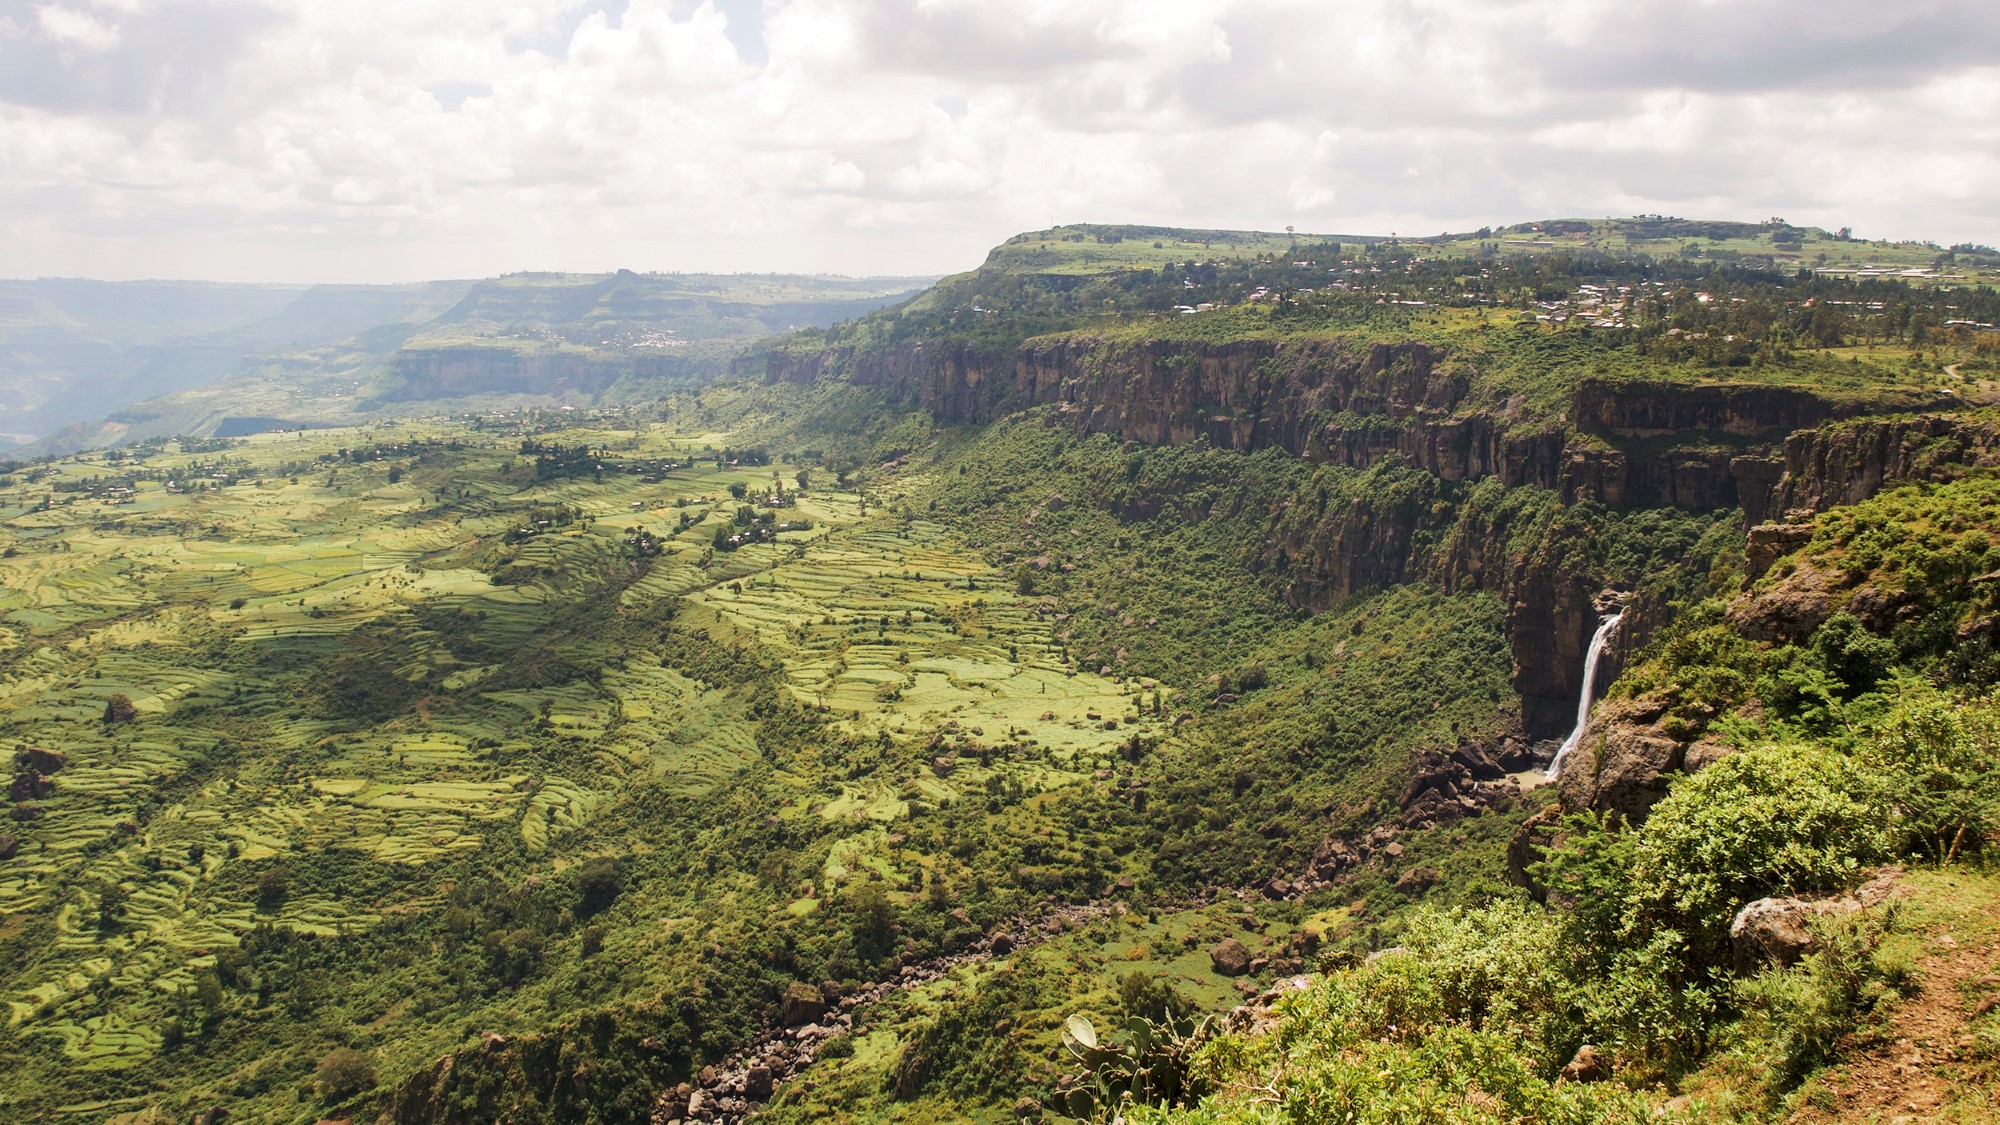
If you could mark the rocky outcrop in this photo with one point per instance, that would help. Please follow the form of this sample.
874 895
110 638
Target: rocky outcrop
1779 931
1646 408
1624 761
1847 463
1789 609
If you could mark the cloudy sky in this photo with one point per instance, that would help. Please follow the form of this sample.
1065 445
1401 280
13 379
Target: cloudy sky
375 140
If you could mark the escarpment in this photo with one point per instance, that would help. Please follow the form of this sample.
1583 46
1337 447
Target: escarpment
1625 443
1631 443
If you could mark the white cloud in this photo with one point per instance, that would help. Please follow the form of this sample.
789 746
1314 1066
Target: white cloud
70 27
379 139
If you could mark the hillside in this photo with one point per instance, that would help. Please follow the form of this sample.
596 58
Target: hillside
1127 668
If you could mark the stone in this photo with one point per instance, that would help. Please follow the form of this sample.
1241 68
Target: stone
1777 931
1770 931
1589 1065
1624 761
957 914
9 846
802 1005
1230 957
1002 945
757 1083
1787 610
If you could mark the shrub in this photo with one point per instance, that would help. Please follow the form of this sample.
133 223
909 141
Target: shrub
1774 820
1800 1014
598 885
343 1073
1937 764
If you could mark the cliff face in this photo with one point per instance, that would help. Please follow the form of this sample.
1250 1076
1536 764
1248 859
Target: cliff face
453 372
1641 408
1353 404
1628 444
1845 464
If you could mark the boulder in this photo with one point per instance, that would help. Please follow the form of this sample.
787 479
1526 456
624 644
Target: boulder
757 1083
1770 931
45 761
803 1004
1778 931
1230 957
1623 762
9 846
1002 945
1789 609
1588 1065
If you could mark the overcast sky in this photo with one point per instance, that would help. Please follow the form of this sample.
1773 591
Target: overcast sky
378 140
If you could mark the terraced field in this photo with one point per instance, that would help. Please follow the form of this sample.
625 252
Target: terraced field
285 651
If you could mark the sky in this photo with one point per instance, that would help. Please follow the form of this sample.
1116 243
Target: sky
396 140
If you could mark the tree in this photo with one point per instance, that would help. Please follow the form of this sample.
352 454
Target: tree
598 885
343 1073
118 708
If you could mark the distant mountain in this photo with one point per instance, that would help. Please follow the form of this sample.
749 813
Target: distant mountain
86 364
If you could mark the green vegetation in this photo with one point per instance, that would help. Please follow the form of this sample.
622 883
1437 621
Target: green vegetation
588 748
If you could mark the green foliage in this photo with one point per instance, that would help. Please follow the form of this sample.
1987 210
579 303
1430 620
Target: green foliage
1783 819
1152 1066
1796 1017
1935 761
343 1073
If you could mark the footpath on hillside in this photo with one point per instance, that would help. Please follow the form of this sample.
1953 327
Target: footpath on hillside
1929 1064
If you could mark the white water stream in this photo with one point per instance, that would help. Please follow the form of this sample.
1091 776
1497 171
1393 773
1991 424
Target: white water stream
1583 701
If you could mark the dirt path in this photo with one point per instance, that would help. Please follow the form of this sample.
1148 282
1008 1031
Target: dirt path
1919 1070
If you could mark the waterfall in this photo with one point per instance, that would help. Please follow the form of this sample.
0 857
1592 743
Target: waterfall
1590 659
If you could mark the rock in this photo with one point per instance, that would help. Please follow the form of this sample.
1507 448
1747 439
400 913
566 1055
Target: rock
1027 1109
213 1115
30 785
1536 834
1589 1065
1392 951
757 1083
1787 610
1777 931
802 1005
1125 883
1417 879
1002 945
1768 542
1393 851
1277 888
45 761
1703 754
701 1106
1477 761
9 846
957 914
1623 762
1230 957
1259 964
1770 931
